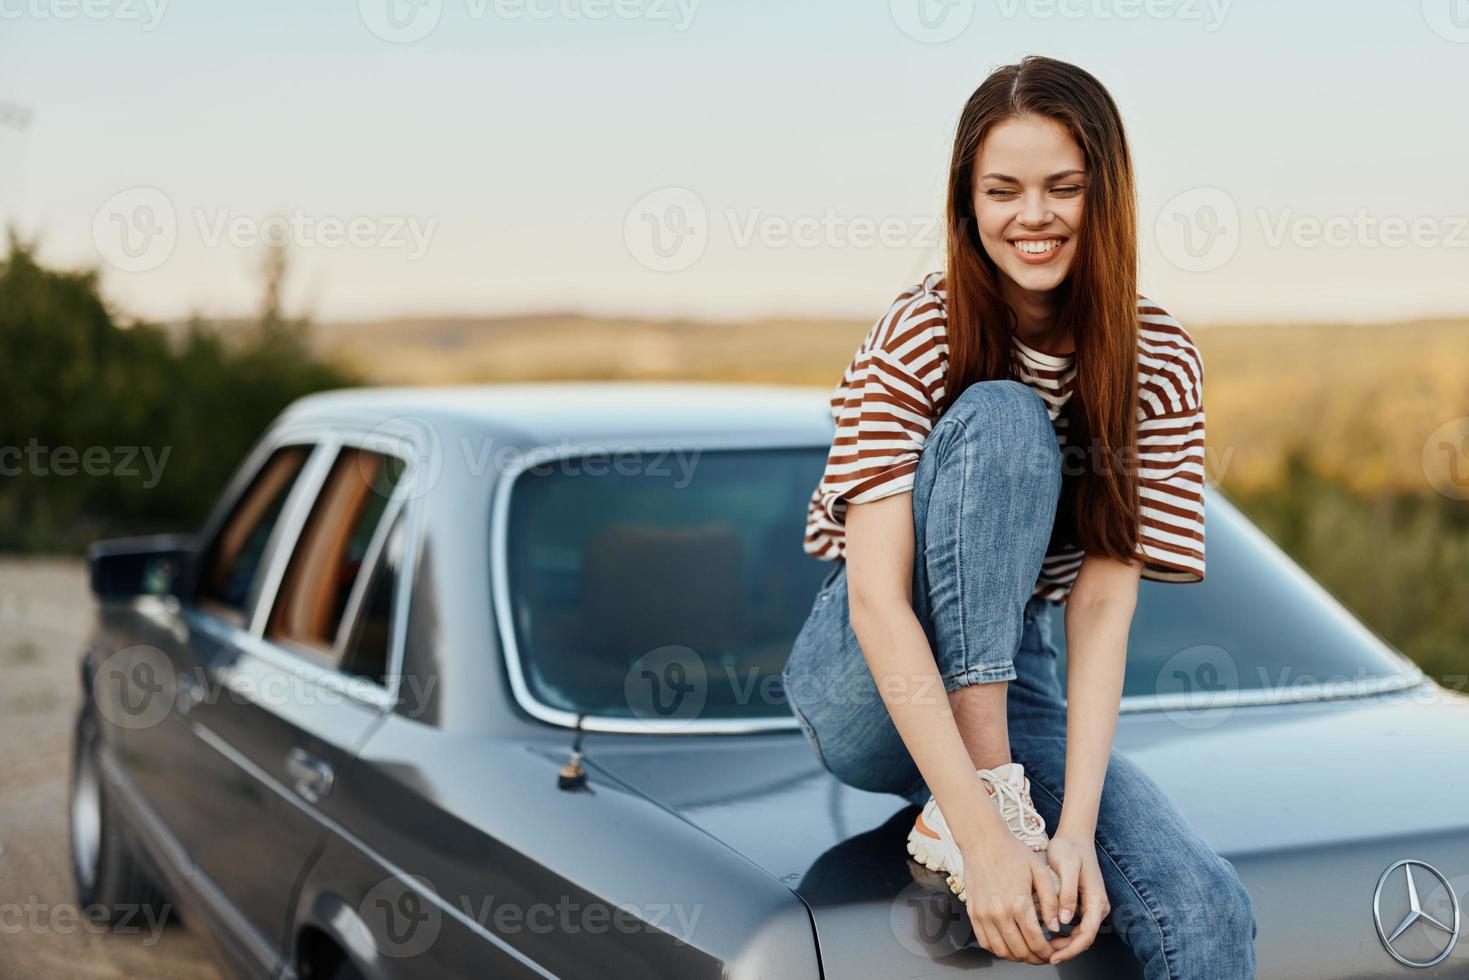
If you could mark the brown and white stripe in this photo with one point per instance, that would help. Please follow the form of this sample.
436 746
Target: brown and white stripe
884 408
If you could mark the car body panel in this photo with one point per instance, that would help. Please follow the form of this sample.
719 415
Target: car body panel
446 800
1267 785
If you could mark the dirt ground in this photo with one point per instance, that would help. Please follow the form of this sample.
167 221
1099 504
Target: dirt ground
45 611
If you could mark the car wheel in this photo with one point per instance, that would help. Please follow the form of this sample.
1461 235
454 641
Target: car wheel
111 886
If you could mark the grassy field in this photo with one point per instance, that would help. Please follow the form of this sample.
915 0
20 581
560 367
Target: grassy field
1359 401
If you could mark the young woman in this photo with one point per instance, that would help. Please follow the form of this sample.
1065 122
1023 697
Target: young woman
1021 431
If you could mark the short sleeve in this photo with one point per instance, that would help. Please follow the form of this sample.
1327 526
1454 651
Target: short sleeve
1170 440
885 405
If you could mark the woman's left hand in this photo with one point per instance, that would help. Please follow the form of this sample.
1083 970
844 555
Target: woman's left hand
1074 860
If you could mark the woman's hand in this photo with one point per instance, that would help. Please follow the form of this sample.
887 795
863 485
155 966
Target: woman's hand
1002 880
1074 859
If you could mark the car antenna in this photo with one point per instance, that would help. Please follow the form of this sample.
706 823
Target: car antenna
572 775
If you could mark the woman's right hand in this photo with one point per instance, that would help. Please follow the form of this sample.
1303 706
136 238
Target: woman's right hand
1002 880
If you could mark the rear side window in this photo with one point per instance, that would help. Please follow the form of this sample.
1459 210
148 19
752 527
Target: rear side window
233 558
367 647
329 553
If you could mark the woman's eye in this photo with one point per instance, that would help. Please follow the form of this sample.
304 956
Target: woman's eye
1067 190
1001 193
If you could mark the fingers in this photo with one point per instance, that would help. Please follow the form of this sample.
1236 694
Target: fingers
1070 872
1045 889
1017 942
1013 933
1095 909
1032 938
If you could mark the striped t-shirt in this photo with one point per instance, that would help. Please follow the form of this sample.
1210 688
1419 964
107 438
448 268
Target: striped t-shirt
884 408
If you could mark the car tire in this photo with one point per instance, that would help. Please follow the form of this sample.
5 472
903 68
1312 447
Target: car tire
111 885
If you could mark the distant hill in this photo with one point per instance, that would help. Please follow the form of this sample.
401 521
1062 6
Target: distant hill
1360 399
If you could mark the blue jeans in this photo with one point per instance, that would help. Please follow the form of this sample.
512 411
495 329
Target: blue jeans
984 501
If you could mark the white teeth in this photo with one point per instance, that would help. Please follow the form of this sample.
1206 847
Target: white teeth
1037 248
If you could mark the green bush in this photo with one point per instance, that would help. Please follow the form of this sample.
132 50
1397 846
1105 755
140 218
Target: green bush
1399 561
161 423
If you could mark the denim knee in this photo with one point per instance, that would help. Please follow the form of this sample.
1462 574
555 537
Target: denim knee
1219 930
1014 417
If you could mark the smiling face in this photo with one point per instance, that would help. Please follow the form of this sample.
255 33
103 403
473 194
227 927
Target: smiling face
1029 186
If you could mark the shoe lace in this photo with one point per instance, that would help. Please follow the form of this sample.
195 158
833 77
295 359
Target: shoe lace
1016 809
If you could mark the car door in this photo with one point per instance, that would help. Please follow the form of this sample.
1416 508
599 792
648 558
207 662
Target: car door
154 673
284 712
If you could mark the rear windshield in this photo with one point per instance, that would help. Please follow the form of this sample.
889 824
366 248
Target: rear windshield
673 586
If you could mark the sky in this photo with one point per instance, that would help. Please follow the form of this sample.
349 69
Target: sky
714 159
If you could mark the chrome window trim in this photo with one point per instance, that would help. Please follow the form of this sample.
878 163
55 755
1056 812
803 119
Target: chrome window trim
327 439
288 530
500 590
311 472
1256 697
1411 676
375 553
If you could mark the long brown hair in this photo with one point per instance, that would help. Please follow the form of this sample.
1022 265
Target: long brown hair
1099 508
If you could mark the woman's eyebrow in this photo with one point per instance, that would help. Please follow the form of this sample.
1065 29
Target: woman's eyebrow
1055 176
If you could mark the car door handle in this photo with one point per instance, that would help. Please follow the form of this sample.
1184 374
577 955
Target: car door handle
311 777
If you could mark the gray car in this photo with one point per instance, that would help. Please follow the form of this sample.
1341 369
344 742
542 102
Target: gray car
469 682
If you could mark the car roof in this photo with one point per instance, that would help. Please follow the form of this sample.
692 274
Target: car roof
547 412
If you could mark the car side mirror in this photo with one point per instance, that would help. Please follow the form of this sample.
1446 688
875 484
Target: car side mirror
151 565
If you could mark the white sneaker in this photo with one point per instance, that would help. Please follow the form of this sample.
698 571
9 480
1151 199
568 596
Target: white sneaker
933 846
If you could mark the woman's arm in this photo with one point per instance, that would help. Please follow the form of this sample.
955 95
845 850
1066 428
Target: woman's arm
880 555
1099 614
